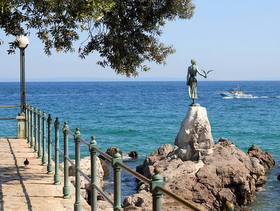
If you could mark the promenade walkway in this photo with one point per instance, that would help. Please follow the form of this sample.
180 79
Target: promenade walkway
28 188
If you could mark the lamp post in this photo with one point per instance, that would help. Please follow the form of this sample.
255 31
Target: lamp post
22 42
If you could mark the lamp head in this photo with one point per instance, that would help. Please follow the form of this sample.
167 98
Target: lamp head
22 41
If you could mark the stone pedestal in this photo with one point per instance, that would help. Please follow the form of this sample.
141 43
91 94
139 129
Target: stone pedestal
194 139
21 126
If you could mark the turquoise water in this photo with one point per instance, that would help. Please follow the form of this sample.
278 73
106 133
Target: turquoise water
143 115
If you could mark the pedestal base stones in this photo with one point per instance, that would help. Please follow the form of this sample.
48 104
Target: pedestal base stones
194 139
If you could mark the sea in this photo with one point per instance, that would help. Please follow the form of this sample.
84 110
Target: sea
141 116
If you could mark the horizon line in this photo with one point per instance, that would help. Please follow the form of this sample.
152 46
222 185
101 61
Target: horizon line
148 80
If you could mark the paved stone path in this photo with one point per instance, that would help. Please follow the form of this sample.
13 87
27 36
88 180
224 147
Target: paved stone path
29 188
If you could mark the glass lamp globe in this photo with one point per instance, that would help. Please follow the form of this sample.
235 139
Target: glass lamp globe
22 41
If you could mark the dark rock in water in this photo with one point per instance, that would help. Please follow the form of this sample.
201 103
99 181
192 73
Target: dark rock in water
133 155
225 179
278 177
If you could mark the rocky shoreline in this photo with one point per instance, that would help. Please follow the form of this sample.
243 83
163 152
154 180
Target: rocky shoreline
215 176
224 179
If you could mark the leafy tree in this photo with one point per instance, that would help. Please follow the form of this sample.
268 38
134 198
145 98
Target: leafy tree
124 32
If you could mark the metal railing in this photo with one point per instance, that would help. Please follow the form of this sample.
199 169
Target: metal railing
7 117
39 134
8 107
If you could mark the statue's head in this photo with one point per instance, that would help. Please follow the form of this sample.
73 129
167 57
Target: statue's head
193 62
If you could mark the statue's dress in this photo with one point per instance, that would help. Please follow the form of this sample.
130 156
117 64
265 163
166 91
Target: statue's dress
192 81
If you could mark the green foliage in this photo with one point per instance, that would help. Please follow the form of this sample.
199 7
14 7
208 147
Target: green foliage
124 32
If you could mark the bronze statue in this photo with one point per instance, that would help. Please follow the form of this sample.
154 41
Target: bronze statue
192 81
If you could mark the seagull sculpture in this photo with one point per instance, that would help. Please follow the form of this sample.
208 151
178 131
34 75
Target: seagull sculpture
206 72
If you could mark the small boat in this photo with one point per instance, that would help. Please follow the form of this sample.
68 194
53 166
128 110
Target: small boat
235 93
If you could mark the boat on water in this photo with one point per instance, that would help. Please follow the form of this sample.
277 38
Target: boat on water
236 93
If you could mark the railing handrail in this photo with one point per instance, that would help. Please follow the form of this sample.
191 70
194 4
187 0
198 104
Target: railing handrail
103 154
95 186
135 173
34 117
8 118
9 106
88 179
123 166
181 200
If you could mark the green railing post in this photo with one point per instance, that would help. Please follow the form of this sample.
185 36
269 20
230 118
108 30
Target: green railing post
44 162
26 123
77 205
66 187
56 155
28 118
31 127
93 169
35 129
50 171
157 181
39 132
117 158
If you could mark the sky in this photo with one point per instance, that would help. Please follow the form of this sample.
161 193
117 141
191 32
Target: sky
239 39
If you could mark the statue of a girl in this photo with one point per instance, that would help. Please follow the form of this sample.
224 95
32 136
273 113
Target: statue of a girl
192 81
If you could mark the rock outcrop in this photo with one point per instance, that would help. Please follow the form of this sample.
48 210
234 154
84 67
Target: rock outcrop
194 139
225 178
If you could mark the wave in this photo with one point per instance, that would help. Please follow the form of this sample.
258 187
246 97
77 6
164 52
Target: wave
228 97
264 97
249 97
